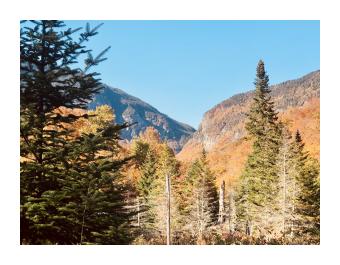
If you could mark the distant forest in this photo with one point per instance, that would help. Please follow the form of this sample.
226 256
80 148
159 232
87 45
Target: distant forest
79 185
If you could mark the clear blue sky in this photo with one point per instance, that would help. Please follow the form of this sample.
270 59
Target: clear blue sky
184 68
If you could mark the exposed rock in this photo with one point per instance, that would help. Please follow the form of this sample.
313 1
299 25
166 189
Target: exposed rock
229 115
131 110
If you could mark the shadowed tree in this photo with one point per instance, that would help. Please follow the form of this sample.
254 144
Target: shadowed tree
70 190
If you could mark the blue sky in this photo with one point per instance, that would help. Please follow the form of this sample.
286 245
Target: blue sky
184 68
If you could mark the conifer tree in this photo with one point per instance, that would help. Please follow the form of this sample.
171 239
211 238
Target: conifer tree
145 185
60 172
200 194
148 175
287 173
167 166
307 206
259 181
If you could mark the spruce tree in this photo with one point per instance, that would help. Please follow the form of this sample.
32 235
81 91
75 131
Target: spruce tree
58 173
259 181
307 207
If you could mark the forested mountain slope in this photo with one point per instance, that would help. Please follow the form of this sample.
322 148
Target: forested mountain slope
133 110
222 131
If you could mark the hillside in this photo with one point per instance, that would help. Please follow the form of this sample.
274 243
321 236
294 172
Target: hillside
133 110
222 132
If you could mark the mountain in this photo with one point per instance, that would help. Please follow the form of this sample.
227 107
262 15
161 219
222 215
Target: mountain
131 109
222 130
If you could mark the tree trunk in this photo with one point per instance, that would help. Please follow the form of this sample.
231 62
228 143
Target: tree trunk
138 212
221 209
232 212
167 190
248 228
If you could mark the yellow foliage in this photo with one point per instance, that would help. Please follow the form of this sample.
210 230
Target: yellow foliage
98 119
227 158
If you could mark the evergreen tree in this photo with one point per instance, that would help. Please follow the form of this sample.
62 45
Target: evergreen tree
91 202
148 175
308 191
287 173
140 150
145 184
259 181
167 166
58 171
200 194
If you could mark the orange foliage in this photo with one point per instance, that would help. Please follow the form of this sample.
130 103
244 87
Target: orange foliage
228 156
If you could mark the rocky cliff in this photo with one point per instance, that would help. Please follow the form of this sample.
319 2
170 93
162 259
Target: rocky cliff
222 129
133 110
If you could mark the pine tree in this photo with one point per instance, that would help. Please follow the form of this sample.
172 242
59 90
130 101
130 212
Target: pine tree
259 181
200 194
58 171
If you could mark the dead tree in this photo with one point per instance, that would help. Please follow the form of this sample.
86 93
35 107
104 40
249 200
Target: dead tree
221 209
138 212
231 211
167 191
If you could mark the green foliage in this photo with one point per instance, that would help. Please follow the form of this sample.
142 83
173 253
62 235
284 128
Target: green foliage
278 196
70 187
148 175
200 198
98 119
154 161
259 181
140 150
308 186
167 165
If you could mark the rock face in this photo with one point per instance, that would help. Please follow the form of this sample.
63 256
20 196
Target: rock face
133 110
222 130
229 115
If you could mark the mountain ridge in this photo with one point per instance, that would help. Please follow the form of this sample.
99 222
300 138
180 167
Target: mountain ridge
131 109
222 130
284 94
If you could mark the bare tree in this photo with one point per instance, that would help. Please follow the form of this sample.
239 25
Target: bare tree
221 208
231 214
168 220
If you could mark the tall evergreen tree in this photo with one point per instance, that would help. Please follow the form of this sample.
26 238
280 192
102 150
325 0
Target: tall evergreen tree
259 181
58 170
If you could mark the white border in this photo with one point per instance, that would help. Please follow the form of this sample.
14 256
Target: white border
13 11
